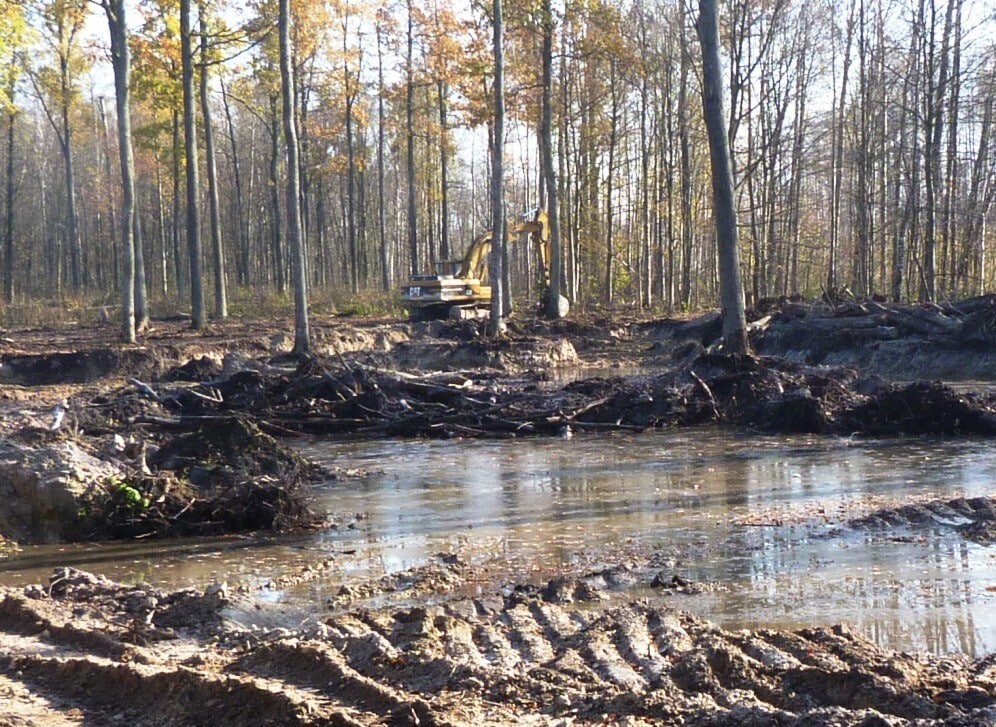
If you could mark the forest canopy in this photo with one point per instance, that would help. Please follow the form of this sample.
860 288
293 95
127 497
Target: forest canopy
861 136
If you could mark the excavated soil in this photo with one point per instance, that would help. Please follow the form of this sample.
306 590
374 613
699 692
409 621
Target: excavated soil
196 420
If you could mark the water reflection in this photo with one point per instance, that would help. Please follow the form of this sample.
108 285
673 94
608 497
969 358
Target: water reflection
747 516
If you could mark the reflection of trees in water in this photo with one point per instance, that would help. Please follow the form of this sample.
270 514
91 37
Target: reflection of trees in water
550 499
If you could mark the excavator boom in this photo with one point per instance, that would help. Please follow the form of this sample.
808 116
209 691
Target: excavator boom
462 293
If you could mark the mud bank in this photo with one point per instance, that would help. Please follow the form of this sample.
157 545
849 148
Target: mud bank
180 432
81 649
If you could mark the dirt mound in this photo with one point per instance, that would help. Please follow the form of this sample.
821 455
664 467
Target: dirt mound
88 647
74 367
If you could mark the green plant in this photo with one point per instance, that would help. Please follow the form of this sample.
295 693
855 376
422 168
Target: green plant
126 495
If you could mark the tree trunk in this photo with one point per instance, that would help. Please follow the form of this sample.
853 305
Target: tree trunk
385 255
610 233
731 286
8 260
410 144
277 221
239 204
178 266
495 324
302 335
555 290
197 317
444 191
838 160
354 253
141 285
116 22
217 247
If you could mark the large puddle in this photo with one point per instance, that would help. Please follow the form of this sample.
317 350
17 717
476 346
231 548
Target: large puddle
749 518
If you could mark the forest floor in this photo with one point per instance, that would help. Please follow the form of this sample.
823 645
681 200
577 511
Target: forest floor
183 432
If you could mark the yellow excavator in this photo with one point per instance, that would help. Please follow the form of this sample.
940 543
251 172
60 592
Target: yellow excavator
457 289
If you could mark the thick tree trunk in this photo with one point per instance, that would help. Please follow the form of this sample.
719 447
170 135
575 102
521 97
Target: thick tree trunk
555 290
410 143
731 286
115 11
302 334
197 316
496 324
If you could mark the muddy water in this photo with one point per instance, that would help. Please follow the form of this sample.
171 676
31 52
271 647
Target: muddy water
755 523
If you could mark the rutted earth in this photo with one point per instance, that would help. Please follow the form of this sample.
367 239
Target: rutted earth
83 650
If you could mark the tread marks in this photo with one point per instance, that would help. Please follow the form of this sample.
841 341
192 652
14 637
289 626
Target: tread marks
599 645
325 670
169 695
527 636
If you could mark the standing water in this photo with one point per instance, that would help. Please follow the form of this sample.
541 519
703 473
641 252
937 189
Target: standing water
758 523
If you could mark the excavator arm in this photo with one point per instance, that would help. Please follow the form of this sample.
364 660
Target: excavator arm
538 229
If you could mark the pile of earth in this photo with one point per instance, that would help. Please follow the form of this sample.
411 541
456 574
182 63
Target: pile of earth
84 648
215 477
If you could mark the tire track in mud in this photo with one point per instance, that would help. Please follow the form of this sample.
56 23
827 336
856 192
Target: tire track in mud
79 658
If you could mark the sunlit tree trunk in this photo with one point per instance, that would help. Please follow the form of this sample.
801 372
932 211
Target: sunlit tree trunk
496 273
302 334
555 290
121 63
731 285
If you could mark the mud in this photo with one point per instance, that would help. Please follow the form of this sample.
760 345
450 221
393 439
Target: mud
85 650
973 517
191 423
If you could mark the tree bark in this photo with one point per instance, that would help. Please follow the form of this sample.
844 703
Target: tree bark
302 334
197 317
495 323
116 22
8 260
731 285
385 255
217 246
410 144
554 291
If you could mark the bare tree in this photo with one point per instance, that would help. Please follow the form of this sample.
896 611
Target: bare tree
731 285
217 247
553 293
495 268
197 317
121 62
302 334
